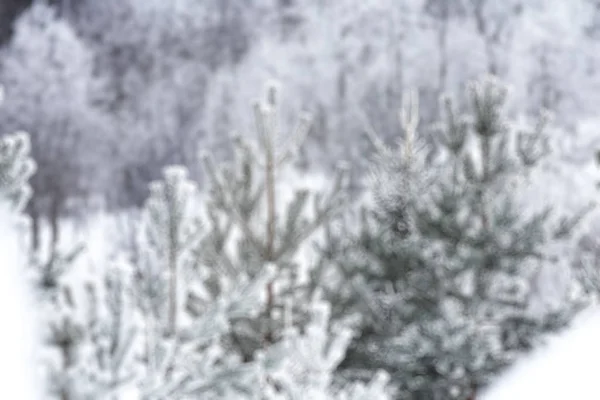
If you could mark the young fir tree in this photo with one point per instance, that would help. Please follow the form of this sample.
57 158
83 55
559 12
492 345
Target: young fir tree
184 357
443 262
99 347
187 355
301 366
114 333
253 226
16 167
89 329
96 347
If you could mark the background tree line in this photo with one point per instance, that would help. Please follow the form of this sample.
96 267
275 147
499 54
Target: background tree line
146 83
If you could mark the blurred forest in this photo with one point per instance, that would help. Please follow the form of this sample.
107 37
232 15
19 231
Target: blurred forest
153 83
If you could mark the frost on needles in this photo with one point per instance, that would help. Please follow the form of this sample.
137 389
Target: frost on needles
163 324
443 260
16 167
209 291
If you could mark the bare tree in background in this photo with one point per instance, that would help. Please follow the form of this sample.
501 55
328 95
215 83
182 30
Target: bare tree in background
9 10
48 74
157 58
443 12
493 22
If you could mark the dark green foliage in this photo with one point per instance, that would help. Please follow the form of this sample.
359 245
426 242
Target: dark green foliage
443 260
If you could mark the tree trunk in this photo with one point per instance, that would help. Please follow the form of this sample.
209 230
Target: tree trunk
35 226
173 293
54 217
269 251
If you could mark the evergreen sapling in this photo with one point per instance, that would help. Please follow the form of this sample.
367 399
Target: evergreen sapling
444 259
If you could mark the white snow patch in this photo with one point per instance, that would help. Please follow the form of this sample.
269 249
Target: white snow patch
566 368
17 337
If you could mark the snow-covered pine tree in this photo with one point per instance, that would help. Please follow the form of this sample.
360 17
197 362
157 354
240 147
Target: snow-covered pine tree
171 230
182 352
88 335
252 226
445 257
16 167
208 298
65 338
114 333
302 365
63 321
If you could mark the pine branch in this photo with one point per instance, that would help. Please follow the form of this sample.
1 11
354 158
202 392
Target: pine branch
229 207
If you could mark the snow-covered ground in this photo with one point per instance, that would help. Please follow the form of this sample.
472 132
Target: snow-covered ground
17 340
567 368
